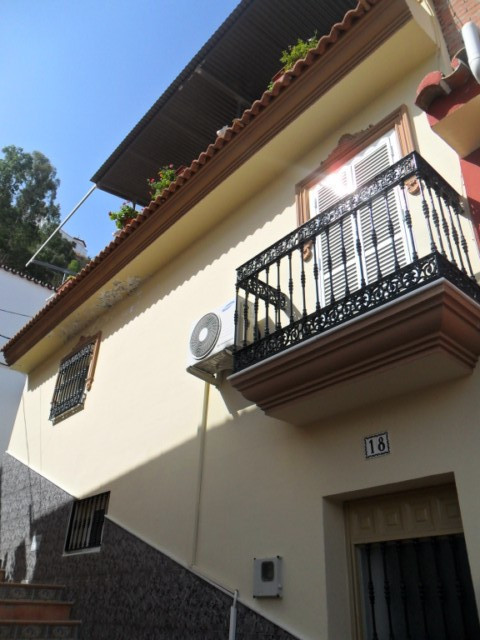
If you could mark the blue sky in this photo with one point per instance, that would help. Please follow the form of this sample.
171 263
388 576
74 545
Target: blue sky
77 75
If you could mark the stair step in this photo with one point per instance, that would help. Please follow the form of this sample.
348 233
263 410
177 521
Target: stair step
39 629
34 610
30 591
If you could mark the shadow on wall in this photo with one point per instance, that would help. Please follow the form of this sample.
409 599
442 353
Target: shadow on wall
256 470
129 590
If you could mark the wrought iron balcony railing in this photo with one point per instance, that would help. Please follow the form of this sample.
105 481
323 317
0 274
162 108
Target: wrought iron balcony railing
396 233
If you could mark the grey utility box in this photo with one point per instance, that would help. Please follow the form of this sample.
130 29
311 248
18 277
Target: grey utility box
267 577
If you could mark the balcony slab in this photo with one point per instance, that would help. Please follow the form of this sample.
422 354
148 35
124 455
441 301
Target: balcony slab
429 336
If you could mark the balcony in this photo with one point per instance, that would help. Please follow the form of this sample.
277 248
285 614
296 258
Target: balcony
373 297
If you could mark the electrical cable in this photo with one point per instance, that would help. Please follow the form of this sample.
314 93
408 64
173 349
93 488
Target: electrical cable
16 313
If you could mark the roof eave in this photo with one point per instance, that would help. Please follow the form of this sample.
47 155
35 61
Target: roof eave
362 31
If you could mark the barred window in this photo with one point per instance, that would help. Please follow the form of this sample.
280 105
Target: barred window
86 523
75 377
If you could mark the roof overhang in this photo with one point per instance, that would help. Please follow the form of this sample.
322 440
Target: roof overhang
229 72
347 72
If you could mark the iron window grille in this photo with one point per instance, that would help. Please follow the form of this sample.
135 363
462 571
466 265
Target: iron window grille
86 523
75 377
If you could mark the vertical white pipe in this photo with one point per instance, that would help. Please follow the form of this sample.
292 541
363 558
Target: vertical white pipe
232 633
471 39
202 432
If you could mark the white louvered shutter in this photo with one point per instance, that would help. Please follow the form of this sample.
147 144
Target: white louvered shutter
363 167
366 166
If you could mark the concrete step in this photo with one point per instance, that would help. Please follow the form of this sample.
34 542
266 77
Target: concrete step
39 629
30 591
34 610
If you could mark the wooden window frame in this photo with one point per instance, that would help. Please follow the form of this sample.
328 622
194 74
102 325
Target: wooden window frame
348 147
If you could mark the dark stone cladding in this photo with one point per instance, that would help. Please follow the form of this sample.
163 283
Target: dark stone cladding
128 590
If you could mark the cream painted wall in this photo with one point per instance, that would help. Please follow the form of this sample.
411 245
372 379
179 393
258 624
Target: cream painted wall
267 487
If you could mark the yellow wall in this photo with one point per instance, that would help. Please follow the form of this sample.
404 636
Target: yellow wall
267 487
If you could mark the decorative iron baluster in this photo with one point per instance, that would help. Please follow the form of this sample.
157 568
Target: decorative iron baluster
403 591
344 257
245 320
256 330
358 246
421 588
407 218
329 265
457 209
278 324
454 234
315 276
303 280
267 304
235 318
371 591
290 285
446 227
426 214
391 233
386 590
374 238
458 585
440 587
436 221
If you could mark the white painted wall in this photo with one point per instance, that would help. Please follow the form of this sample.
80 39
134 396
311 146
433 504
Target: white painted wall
20 299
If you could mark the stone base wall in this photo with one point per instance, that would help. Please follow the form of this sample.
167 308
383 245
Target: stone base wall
126 591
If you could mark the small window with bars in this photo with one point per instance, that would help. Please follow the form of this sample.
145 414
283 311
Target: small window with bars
75 377
86 523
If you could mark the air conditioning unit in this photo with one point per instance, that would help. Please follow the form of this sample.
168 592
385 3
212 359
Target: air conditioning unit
211 341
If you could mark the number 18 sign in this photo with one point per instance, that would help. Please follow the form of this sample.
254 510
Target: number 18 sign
377 445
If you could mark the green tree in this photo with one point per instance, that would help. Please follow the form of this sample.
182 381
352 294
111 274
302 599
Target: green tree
29 213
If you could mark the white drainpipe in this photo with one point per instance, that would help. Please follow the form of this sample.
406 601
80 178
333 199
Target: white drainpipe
233 618
471 39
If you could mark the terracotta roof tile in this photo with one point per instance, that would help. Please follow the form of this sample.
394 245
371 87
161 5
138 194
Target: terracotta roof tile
26 276
235 129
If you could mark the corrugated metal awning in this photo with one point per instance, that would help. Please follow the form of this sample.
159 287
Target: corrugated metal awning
230 71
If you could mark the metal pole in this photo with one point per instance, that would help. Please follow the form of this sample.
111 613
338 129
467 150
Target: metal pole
62 223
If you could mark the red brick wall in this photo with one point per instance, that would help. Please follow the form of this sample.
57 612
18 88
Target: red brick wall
452 14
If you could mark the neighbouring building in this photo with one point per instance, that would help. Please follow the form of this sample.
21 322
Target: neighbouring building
79 245
256 413
21 296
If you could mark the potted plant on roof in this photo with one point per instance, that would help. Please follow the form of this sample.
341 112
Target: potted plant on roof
125 215
293 53
165 176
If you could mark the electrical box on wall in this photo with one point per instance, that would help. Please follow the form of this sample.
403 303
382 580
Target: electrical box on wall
267 577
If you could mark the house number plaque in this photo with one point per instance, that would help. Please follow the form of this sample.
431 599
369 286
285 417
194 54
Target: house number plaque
377 445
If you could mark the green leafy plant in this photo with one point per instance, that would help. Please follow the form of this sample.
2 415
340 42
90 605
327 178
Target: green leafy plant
165 176
123 216
297 51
